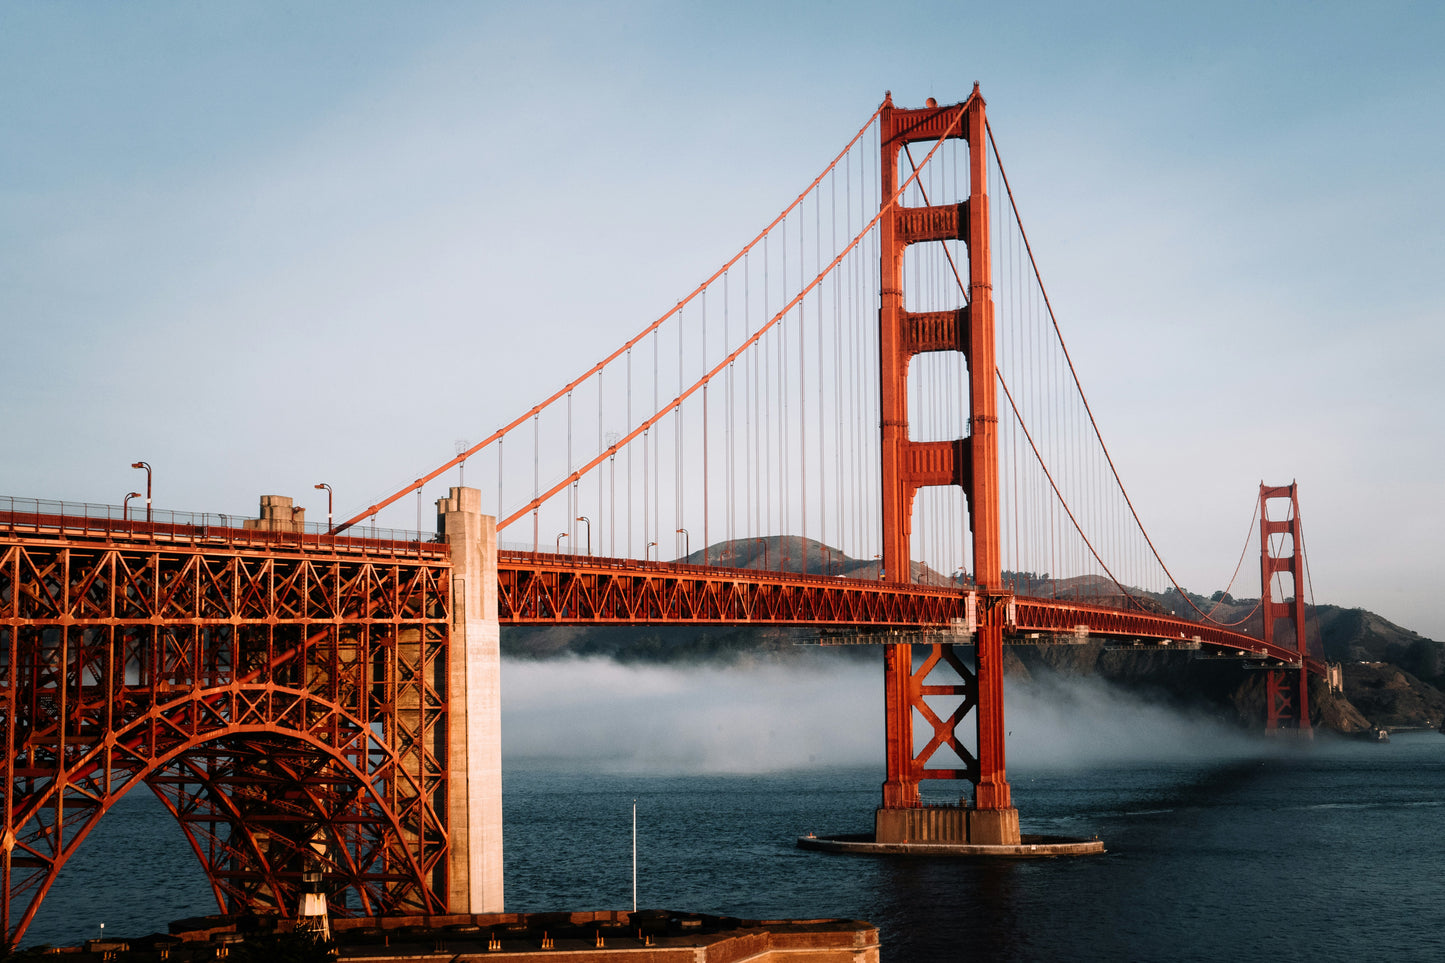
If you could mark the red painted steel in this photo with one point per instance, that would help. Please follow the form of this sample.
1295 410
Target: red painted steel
546 589
1285 710
284 696
538 588
970 463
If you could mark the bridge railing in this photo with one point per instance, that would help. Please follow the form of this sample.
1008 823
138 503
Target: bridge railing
47 517
516 552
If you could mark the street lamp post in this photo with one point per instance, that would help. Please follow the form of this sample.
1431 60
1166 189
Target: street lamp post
686 543
147 467
764 543
328 505
647 552
560 536
125 512
584 518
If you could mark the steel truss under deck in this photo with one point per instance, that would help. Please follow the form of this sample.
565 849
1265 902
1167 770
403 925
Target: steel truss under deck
544 589
285 698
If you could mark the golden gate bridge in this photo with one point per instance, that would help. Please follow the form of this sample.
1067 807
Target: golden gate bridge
878 377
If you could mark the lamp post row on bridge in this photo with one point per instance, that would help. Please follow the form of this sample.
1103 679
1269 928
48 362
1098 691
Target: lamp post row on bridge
328 503
147 467
151 512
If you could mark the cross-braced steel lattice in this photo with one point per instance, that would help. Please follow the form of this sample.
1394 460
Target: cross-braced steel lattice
287 703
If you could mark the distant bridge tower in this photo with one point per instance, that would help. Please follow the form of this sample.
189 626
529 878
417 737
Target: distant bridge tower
1286 689
971 463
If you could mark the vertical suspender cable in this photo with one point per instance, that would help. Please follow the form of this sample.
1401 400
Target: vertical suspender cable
536 477
571 491
765 424
601 446
803 393
630 488
836 341
705 542
785 491
730 421
677 498
656 504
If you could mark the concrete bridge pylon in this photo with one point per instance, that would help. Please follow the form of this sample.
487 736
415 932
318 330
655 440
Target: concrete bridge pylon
474 719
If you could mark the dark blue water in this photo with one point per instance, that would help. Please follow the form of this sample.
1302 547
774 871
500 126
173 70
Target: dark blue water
1328 851
1333 851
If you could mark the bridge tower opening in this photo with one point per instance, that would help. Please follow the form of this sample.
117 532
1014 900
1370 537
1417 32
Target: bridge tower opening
970 463
1287 702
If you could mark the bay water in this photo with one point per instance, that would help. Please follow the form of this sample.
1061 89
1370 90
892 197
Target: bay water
1219 845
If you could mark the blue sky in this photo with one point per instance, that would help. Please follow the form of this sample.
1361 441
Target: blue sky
269 244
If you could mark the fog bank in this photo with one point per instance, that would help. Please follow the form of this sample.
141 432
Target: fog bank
815 711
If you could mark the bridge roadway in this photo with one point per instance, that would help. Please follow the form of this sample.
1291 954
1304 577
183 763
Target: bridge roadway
540 588
536 588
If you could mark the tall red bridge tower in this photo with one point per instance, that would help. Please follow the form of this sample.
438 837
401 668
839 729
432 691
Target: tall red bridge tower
971 463
1287 689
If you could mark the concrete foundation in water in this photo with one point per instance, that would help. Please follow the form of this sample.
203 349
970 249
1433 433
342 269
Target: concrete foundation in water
1030 847
951 831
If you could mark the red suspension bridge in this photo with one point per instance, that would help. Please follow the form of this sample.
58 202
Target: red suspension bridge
878 377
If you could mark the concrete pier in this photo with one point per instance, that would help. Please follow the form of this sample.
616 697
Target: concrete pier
951 831
947 824
474 713
1028 847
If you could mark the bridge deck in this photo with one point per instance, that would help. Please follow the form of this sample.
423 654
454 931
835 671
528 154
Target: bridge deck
545 589
200 531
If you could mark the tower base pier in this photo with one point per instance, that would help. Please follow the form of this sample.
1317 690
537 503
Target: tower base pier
947 824
1027 847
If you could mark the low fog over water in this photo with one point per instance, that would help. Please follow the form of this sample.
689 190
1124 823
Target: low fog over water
819 709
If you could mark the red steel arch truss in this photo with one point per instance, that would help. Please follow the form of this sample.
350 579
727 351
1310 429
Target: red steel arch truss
287 702
537 588
568 589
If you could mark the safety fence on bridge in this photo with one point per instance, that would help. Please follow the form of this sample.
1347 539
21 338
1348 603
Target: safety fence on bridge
39 516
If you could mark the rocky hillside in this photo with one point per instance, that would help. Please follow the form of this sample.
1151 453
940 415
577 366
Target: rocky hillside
1394 676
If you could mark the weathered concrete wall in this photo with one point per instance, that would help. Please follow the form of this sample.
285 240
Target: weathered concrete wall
278 514
474 719
947 824
932 824
647 937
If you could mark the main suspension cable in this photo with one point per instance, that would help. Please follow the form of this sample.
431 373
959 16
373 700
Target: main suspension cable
676 309
1075 375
